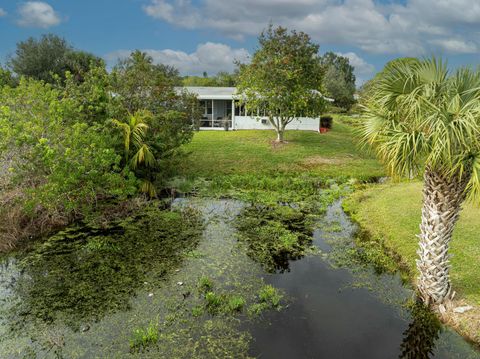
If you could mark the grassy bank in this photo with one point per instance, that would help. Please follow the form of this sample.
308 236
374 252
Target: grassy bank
391 213
334 154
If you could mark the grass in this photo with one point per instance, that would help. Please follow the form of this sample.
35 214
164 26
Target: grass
334 154
393 211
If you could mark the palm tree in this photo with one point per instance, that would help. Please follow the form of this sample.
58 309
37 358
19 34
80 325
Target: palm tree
134 133
422 118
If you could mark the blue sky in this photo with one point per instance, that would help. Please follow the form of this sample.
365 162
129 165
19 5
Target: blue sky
207 35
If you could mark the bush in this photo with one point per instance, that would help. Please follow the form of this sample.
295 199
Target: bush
326 122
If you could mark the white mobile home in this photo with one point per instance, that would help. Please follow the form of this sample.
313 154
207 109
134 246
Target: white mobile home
221 109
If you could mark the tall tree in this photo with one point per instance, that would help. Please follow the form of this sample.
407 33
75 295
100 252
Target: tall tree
141 86
421 118
284 78
339 79
50 56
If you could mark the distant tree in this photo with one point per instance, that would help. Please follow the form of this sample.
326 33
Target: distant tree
339 79
7 78
50 57
284 78
222 79
227 79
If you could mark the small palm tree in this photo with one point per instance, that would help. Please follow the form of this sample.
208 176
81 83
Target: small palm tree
422 118
134 133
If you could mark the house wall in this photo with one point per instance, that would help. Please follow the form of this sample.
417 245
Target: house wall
255 123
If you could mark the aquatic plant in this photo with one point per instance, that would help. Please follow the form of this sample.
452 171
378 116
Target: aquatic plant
143 337
205 284
235 303
270 296
213 302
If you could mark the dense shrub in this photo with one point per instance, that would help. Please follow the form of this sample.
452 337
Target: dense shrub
326 122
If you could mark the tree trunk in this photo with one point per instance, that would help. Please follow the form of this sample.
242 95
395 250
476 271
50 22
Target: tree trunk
280 133
442 200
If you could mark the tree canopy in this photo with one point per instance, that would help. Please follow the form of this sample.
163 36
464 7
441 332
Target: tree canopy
49 57
339 81
284 78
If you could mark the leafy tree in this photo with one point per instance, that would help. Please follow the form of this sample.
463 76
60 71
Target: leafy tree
50 57
339 80
284 78
422 118
63 165
93 97
141 85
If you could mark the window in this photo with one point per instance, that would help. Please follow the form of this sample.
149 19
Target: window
209 107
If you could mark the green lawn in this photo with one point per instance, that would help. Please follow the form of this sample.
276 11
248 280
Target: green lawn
334 154
392 212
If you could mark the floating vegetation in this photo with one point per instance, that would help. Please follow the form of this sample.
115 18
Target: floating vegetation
83 273
278 233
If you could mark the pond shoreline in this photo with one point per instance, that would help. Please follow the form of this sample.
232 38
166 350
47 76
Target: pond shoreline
460 322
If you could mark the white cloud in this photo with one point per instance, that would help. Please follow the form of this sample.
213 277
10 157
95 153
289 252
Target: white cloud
456 46
2 12
411 27
210 57
37 14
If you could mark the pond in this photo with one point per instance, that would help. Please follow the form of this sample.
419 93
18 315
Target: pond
191 290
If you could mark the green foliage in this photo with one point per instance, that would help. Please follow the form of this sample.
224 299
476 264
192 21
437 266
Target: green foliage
419 116
140 85
339 80
326 122
67 164
284 78
50 57
7 78
143 337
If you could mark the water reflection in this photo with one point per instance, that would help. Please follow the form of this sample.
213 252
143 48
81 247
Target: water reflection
422 333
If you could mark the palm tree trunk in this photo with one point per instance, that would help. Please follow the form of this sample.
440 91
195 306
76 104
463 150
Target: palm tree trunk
442 200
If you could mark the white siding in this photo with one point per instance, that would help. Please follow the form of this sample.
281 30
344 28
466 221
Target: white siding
256 123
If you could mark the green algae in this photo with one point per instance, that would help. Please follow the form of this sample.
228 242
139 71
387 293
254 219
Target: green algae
83 273
152 271
277 233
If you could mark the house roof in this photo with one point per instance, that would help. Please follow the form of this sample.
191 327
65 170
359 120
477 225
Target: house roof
211 93
221 93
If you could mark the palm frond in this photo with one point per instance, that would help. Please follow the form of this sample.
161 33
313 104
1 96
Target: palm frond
419 114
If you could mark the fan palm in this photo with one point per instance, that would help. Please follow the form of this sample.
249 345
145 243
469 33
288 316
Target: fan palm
420 118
